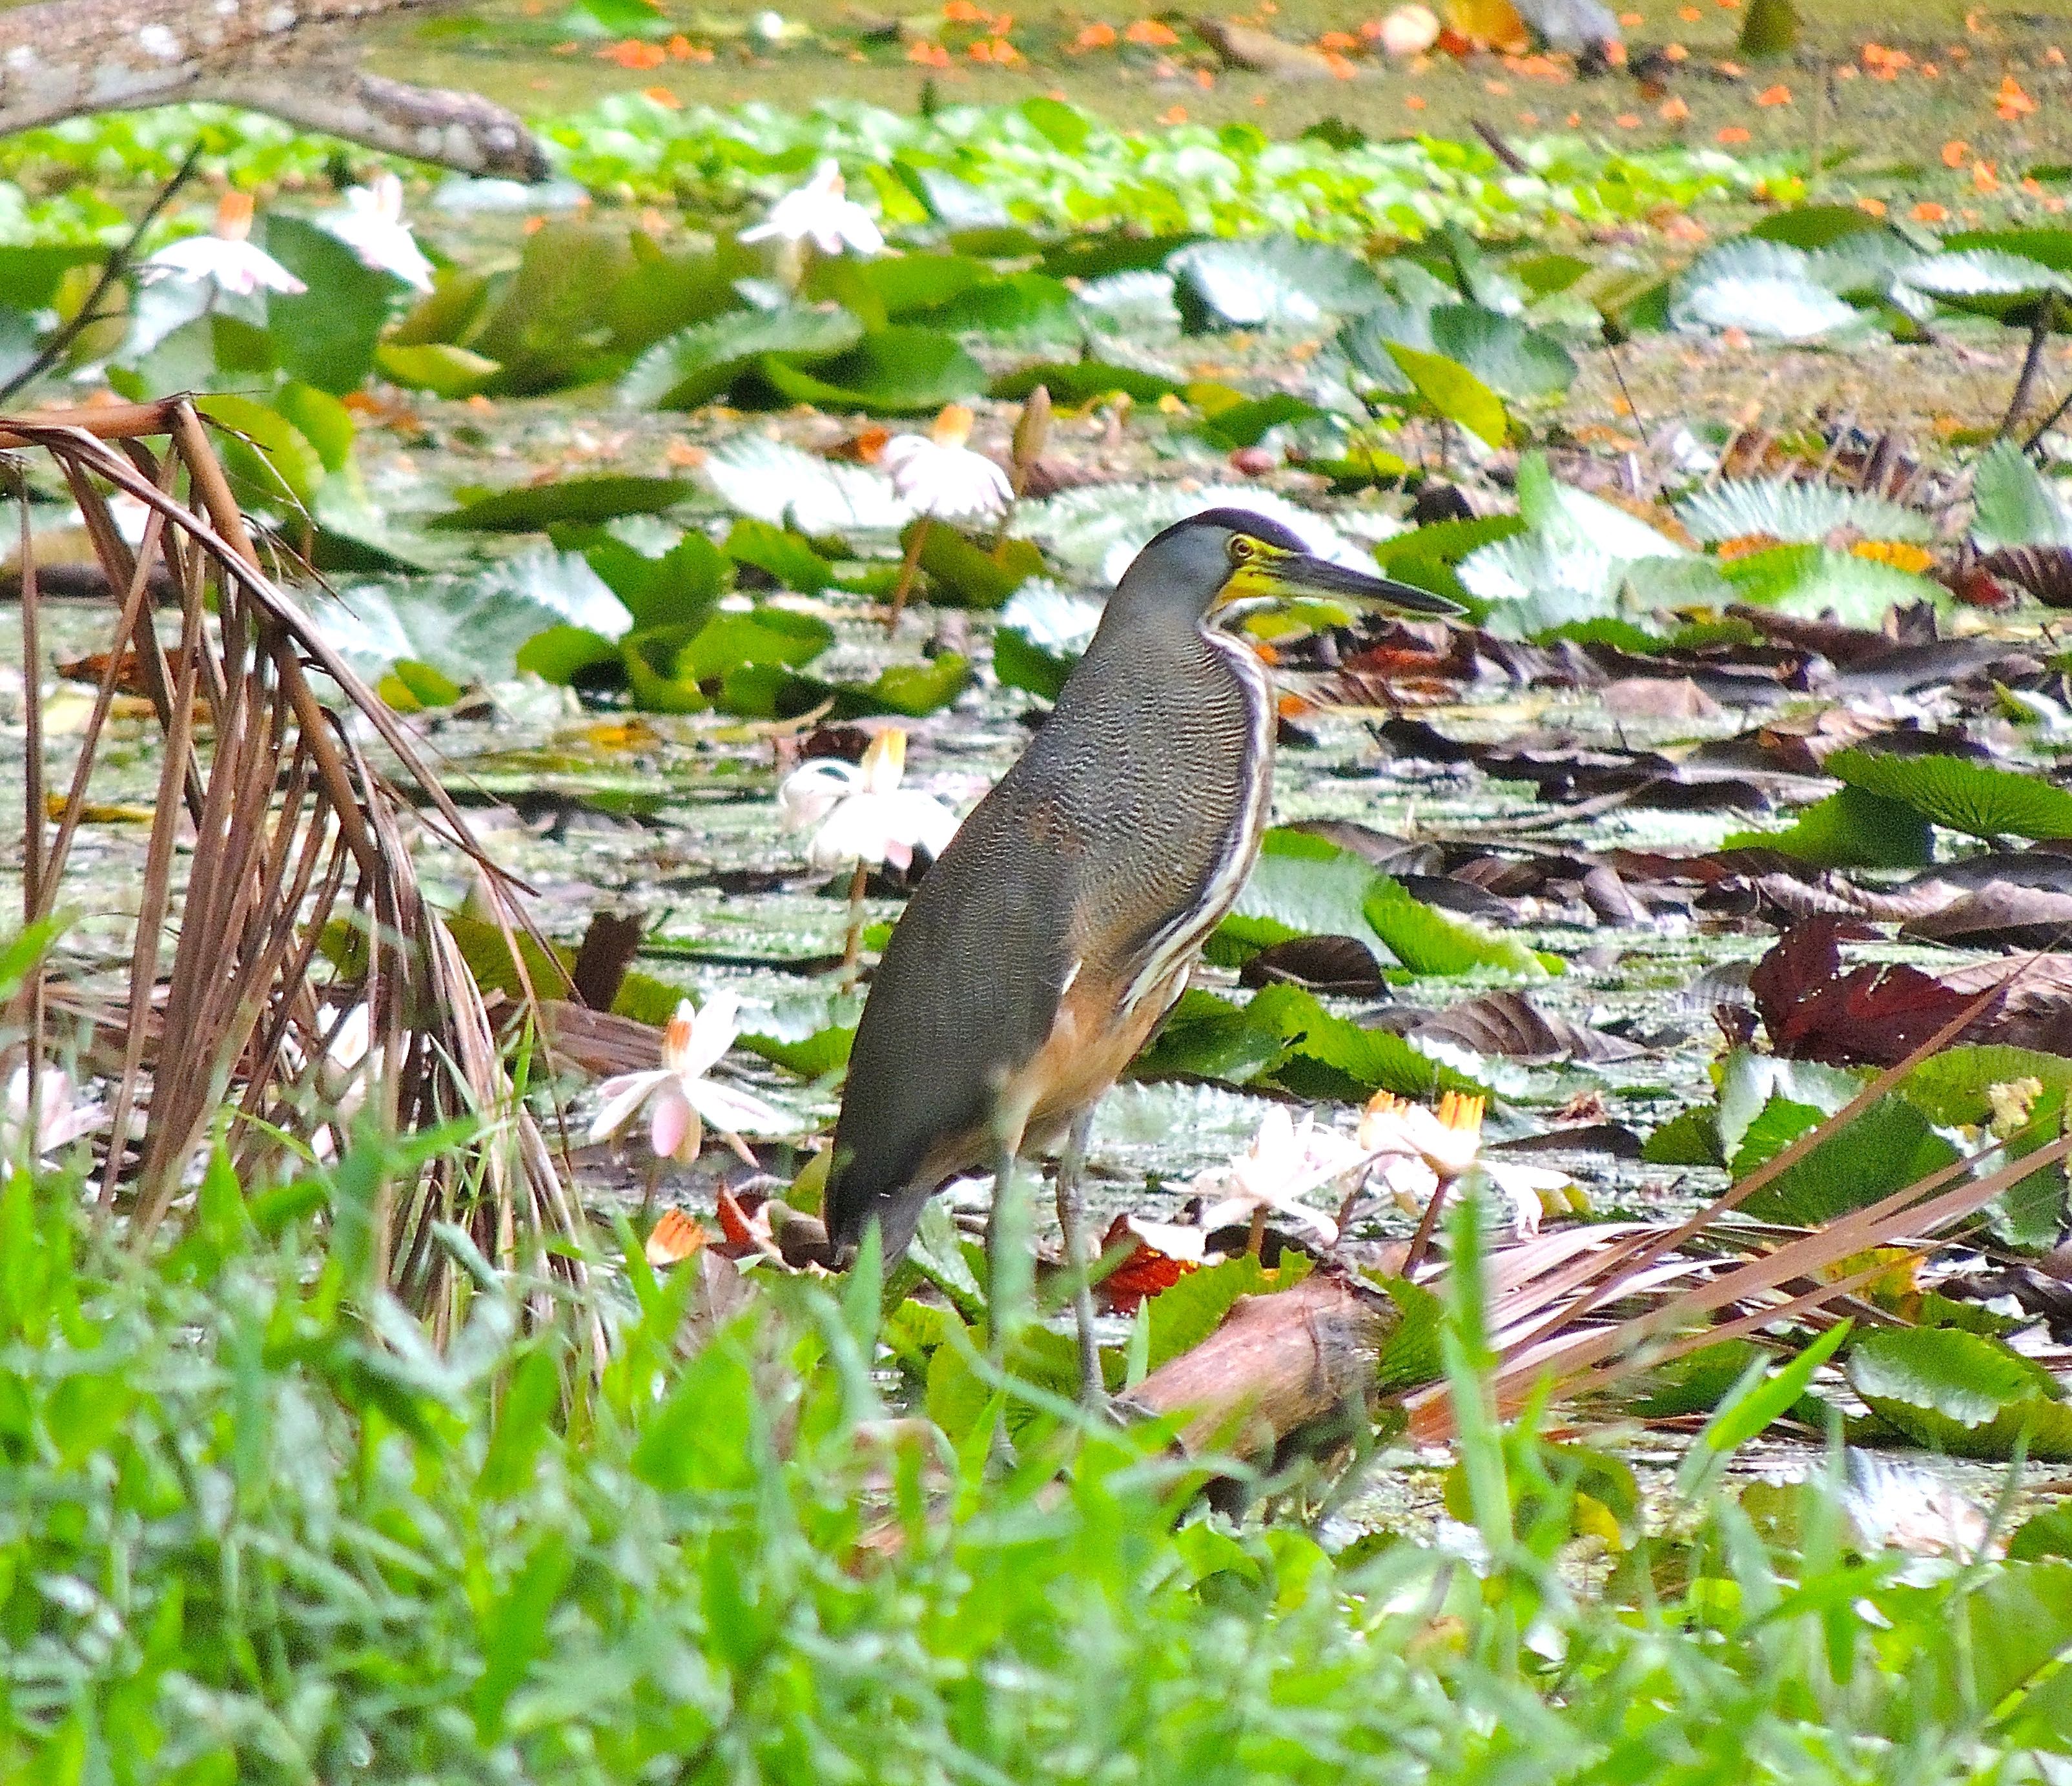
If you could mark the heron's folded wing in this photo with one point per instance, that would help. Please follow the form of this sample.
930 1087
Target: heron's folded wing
967 992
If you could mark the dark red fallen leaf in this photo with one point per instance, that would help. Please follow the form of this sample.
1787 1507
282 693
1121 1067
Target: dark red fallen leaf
1146 1272
1999 915
1341 965
1510 1025
2044 571
734 1223
1867 1016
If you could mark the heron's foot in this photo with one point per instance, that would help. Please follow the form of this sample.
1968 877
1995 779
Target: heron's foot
1102 1407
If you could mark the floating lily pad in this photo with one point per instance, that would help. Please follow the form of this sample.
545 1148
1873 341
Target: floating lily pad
699 362
1975 798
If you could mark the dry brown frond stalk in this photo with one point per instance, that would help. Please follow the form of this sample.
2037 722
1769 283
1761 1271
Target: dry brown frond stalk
278 918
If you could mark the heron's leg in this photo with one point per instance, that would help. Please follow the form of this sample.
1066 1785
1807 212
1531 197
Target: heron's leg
1010 1274
1071 1218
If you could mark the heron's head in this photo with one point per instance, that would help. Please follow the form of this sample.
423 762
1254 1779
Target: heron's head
1225 561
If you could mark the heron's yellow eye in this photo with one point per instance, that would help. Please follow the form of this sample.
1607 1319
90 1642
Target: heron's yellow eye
1240 548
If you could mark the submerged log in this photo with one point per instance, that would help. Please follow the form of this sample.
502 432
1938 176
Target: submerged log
61 59
1280 1369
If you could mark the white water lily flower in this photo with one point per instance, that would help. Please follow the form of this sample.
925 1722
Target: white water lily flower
937 474
351 1064
224 258
62 1116
1417 1151
1445 1141
371 224
820 212
679 1098
1284 1162
858 813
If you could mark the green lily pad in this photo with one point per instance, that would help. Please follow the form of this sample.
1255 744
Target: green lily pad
895 371
698 364
1850 829
1961 1393
438 367
534 508
1975 798
1429 941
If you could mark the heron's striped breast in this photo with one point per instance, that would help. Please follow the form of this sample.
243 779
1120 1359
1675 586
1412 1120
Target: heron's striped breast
1190 929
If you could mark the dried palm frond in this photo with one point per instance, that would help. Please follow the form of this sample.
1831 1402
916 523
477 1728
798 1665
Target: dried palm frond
1582 1309
282 961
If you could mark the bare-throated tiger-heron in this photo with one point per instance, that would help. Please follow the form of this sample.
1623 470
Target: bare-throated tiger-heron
1046 946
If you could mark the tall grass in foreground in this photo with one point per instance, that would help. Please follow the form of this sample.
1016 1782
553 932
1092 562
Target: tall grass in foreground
253 1528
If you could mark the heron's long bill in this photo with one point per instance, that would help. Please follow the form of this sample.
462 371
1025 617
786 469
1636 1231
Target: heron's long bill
1271 575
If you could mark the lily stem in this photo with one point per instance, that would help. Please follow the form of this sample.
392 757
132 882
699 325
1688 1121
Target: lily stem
909 567
853 945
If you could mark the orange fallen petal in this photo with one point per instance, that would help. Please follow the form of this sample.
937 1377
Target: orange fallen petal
675 1238
662 97
1174 115
1929 212
1627 121
1153 33
633 54
1955 153
1779 95
1874 207
1672 110
1729 135
1903 555
1676 52
1094 37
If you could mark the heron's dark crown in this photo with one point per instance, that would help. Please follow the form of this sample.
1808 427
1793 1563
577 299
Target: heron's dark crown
1176 578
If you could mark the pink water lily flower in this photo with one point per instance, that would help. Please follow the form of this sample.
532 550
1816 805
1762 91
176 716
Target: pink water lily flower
679 1098
224 258
858 813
